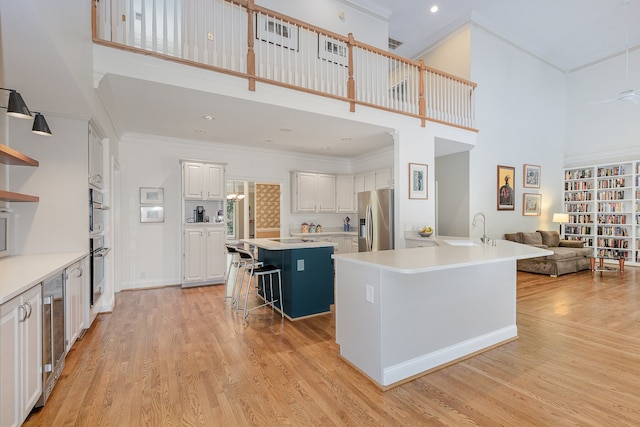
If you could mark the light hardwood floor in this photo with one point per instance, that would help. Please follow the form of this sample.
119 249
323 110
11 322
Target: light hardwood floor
179 357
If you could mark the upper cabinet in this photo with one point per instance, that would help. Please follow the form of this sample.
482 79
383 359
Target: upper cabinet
203 181
345 194
313 193
9 156
96 159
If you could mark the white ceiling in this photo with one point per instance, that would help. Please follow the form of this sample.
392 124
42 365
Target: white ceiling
567 33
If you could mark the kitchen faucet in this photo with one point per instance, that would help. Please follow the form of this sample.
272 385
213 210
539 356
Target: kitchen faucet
484 238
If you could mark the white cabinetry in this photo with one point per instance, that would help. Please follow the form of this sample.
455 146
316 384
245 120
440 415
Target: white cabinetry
20 356
345 194
74 298
203 181
373 180
312 192
96 159
203 255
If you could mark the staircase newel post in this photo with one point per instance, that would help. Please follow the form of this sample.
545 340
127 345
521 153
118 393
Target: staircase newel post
422 107
351 83
251 54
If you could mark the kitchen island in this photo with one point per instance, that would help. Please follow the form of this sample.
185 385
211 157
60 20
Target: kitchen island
307 273
405 312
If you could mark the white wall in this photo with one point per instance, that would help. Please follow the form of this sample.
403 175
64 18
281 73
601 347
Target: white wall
453 54
59 221
521 113
599 133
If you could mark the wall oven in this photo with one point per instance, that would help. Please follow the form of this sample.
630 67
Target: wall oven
97 253
96 224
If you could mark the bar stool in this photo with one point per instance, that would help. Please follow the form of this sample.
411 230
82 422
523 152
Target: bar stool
259 272
243 260
234 266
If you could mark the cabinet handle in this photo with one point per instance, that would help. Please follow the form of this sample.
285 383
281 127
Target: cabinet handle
28 304
25 313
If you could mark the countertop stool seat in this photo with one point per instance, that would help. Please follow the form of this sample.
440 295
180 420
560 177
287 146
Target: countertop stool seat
241 259
259 271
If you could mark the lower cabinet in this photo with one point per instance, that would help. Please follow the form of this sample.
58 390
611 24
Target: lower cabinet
204 255
74 298
20 356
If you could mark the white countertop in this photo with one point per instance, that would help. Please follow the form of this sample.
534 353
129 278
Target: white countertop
325 233
293 243
445 255
22 272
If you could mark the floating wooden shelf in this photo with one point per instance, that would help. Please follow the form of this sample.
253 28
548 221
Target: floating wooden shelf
9 156
8 196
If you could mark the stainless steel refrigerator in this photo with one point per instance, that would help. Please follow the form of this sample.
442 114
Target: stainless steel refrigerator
375 220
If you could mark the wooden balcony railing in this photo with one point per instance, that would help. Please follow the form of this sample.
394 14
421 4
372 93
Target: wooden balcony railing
240 38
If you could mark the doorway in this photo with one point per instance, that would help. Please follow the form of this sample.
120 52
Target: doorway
253 210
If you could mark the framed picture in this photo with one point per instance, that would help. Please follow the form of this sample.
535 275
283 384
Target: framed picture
417 181
151 195
333 50
506 188
531 176
276 31
531 204
151 214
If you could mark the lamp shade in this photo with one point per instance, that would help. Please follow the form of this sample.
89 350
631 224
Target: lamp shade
40 126
17 107
560 217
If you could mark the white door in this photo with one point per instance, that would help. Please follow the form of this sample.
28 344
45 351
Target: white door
32 351
193 270
9 362
345 198
215 253
215 182
306 192
326 193
193 180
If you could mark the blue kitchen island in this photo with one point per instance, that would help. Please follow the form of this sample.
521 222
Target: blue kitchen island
307 273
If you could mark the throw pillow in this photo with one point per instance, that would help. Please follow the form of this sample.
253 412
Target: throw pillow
550 238
532 238
571 243
514 237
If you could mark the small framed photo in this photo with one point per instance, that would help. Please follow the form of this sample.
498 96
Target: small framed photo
333 50
531 204
151 214
531 176
417 181
506 188
151 195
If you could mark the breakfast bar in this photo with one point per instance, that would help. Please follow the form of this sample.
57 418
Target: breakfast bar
307 273
403 313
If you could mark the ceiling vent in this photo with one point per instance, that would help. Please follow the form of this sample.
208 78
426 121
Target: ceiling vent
394 44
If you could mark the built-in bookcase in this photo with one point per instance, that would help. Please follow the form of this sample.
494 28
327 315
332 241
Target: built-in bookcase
603 203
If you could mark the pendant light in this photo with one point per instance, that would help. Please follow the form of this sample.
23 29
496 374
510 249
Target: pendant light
18 108
40 126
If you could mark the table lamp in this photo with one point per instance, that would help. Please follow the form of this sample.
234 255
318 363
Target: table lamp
561 218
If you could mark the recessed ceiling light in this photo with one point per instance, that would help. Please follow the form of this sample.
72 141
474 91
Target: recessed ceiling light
345 138
268 141
285 130
208 118
324 148
434 8
200 131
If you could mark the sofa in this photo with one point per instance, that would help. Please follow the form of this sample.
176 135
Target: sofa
569 256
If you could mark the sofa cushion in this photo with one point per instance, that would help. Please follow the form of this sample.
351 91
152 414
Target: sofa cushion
550 238
534 238
514 237
571 243
561 253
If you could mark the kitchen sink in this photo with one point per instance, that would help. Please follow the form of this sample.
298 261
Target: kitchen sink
461 243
